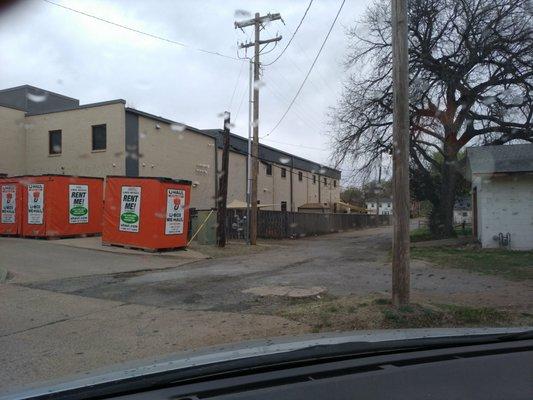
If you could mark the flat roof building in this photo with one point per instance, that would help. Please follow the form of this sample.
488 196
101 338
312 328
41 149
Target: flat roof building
46 132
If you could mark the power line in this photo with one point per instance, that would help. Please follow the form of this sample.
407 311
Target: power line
153 36
292 37
308 72
236 84
295 145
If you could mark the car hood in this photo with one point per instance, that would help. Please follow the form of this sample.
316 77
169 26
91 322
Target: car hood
243 350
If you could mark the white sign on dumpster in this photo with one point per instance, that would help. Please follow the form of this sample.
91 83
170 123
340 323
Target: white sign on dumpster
175 211
130 205
9 204
35 203
78 196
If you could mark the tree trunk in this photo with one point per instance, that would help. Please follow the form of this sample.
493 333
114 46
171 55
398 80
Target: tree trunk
441 217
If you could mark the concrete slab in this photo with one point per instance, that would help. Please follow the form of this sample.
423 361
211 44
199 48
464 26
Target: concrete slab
285 291
95 243
31 260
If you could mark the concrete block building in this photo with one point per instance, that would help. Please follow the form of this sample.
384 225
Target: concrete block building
45 132
502 195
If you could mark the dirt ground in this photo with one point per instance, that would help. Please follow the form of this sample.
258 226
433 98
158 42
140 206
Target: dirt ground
115 308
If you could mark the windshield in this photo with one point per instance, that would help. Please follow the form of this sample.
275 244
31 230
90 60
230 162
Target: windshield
178 175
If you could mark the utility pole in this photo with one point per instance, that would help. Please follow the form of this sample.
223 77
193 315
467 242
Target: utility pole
257 22
249 157
222 197
400 156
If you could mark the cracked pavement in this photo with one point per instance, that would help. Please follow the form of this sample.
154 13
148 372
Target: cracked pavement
69 310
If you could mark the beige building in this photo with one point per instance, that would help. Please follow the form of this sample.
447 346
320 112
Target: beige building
47 133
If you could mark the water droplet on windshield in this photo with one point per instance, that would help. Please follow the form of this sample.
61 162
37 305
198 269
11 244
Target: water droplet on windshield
258 85
242 13
489 100
177 127
37 98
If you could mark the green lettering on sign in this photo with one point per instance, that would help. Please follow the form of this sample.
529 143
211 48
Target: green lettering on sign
129 218
78 211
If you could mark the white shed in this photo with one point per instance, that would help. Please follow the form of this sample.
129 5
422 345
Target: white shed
502 195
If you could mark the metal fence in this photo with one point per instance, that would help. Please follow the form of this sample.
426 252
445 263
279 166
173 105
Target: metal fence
280 224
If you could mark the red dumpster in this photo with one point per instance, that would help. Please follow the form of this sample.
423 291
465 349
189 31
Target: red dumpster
146 213
61 205
10 206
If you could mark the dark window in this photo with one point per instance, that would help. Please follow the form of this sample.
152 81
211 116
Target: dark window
99 137
300 176
314 179
388 204
283 206
258 201
325 181
54 142
283 173
464 214
269 169
335 183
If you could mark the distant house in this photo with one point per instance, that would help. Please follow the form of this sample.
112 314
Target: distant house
381 206
462 211
502 195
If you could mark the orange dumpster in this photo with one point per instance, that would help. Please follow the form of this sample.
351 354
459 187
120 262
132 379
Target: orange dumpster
146 213
10 206
61 205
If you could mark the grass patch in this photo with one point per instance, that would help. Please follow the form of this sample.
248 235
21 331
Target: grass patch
420 235
349 313
232 249
514 265
423 234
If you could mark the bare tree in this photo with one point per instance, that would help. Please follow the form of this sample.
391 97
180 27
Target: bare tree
471 81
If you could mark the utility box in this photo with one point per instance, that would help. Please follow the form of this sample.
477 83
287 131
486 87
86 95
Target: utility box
61 205
146 213
10 207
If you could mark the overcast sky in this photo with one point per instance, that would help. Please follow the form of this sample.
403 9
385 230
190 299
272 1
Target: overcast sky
56 49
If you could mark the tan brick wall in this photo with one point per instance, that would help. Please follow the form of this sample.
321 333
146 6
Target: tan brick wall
77 157
180 155
13 141
236 177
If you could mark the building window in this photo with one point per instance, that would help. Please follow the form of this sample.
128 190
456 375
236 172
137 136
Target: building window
464 214
372 205
388 205
314 179
283 173
269 169
99 137
54 142
325 181
334 183
300 176
283 206
258 201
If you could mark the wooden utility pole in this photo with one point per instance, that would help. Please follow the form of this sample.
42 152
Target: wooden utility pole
400 156
222 197
257 22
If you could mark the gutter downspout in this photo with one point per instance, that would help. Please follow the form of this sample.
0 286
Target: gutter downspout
216 172
292 166
319 191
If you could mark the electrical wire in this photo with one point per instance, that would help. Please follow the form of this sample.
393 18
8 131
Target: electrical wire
295 145
293 35
308 72
236 84
153 36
